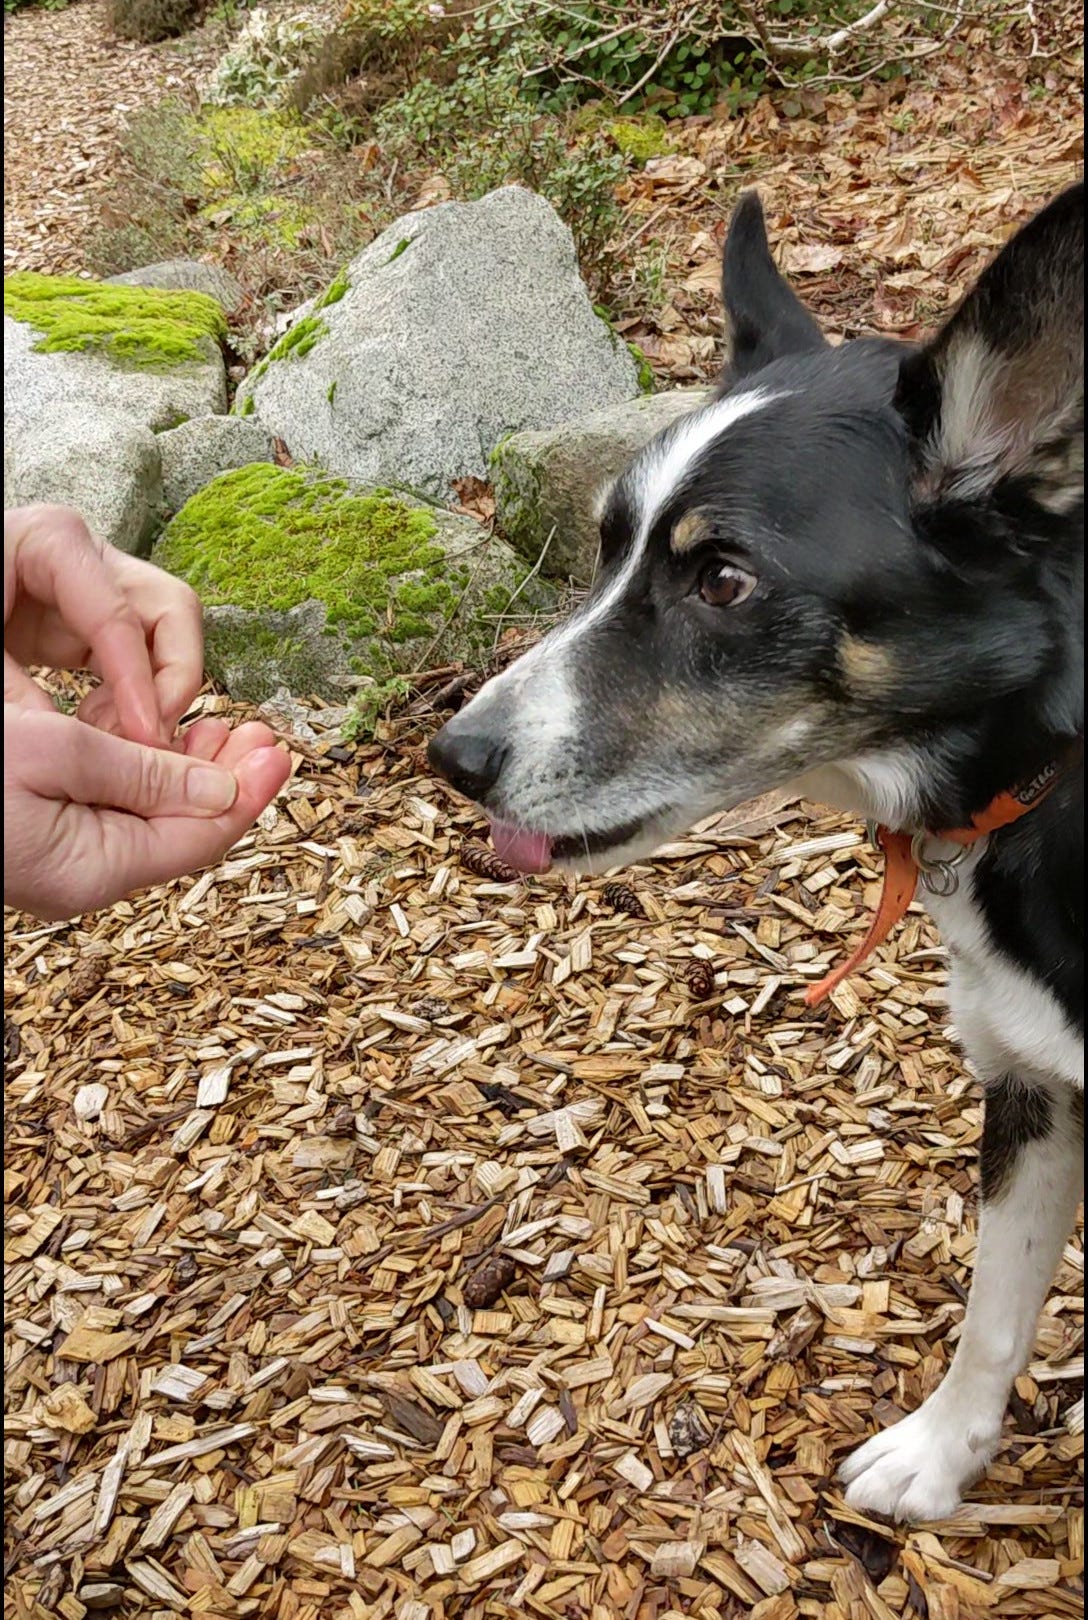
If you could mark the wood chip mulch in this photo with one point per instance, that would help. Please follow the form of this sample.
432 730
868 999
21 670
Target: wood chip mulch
70 86
384 1240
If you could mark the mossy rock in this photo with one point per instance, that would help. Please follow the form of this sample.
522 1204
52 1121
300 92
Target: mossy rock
547 484
321 586
307 329
135 328
457 325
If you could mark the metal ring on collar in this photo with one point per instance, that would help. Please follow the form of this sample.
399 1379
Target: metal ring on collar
938 876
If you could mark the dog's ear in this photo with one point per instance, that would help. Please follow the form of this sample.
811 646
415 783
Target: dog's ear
999 393
765 317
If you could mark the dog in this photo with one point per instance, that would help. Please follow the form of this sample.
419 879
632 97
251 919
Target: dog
861 569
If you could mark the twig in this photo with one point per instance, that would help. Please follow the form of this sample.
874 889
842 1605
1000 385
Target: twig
425 1233
670 43
534 570
835 42
467 1217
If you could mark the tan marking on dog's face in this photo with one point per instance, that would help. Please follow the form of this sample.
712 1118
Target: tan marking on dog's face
690 530
868 668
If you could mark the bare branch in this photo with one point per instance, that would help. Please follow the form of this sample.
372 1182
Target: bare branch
835 42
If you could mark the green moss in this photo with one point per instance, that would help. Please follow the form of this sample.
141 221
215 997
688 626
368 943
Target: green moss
496 601
401 246
247 407
646 381
299 339
266 537
335 291
140 328
295 342
603 315
330 392
639 139
252 661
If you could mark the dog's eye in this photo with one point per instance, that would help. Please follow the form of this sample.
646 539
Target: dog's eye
723 584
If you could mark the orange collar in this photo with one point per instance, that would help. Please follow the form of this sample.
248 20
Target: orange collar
905 862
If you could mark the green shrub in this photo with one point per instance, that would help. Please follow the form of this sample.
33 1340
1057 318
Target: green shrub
43 5
151 20
264 61
637 54
479 131
239 183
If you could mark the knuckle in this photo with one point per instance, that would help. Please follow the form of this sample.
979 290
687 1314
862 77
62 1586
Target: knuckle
156 776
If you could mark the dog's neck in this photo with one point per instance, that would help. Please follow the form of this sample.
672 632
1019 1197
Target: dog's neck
886 787
939 783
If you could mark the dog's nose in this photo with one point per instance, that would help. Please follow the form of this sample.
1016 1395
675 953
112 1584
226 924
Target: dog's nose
469 762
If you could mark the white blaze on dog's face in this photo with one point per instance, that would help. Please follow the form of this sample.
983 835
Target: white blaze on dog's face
776 592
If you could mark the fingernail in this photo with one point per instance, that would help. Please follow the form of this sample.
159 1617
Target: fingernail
253 765
148 721
209 789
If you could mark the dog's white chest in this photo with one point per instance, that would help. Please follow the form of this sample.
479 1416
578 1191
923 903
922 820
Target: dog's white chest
1007 1021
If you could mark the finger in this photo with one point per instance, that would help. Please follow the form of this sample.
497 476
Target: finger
243 741
168 847
76 762
205 739
61 565
21 689
177 644
98 709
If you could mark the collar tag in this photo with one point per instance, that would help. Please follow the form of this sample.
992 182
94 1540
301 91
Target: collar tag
906 864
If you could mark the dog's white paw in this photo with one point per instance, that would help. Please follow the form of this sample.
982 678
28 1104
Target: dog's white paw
918 1469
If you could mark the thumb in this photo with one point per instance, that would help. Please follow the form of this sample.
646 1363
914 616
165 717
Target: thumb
87 766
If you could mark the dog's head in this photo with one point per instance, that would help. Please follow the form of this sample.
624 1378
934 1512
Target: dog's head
838 557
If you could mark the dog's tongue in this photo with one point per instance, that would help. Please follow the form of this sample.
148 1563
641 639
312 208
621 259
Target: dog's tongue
525 851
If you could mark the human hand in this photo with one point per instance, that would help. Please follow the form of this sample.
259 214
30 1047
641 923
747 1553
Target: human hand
71 602
167 812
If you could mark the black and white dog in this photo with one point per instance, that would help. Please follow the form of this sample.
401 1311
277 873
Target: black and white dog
861 567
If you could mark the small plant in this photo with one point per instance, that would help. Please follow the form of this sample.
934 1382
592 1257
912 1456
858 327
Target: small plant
152 20
260 182
639 139
372 704
264 61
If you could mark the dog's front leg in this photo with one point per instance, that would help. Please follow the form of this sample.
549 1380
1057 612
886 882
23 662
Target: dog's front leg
1032 1174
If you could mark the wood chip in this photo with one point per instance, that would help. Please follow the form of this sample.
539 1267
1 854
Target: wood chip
246 1374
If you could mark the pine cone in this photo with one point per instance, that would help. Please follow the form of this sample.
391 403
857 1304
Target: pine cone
13 1041
84 979
342 1123
487 1282
622 898
484 863
687 1429
700 977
